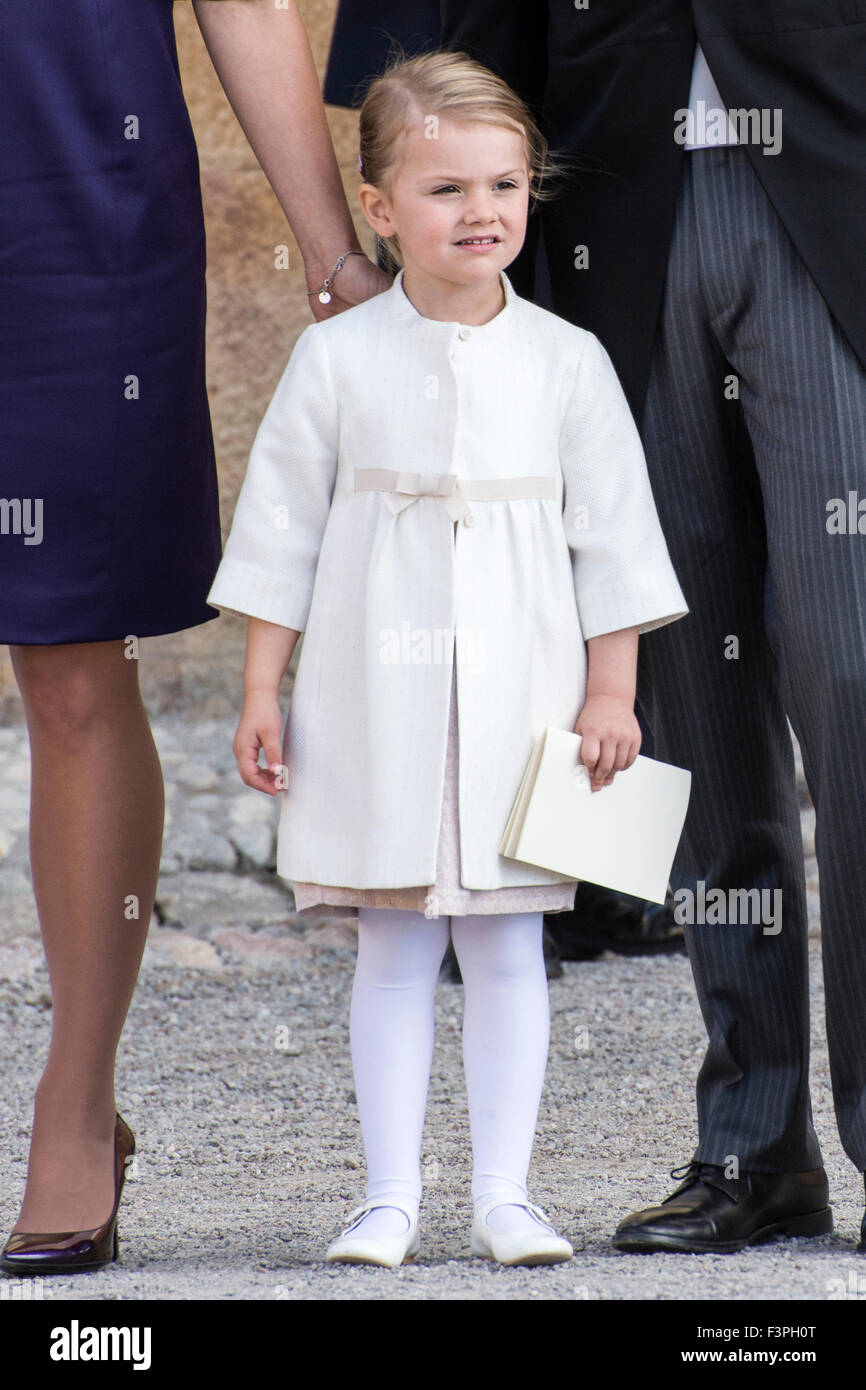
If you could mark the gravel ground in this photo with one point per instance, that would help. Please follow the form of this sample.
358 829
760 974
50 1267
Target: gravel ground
250 1150
236 1078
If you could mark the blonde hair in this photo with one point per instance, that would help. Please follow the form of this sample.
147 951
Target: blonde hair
442 83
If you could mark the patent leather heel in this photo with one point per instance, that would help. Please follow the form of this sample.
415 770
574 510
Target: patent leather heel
66 1252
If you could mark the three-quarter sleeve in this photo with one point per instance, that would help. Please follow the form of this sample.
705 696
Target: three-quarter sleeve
623 576
269 563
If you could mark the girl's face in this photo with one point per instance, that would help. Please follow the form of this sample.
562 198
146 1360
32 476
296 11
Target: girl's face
458 201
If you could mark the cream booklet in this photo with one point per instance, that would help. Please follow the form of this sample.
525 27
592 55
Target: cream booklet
623 837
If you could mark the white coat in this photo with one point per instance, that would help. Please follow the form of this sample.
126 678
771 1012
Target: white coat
381 583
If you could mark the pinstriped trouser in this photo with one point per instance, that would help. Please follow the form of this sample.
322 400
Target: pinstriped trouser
742 487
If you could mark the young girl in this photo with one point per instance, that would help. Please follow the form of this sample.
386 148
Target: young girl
448 497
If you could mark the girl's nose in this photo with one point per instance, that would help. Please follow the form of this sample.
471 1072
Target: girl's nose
480 215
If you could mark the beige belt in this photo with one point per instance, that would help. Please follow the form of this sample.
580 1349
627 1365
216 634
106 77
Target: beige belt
404 488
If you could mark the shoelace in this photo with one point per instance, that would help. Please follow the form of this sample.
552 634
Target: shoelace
696 1171
686 1170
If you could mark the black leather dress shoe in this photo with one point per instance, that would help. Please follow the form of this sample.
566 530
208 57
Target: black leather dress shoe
709 1213
605 921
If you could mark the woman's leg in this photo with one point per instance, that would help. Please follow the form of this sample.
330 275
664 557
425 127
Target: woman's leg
391 1026
96 819
506 1033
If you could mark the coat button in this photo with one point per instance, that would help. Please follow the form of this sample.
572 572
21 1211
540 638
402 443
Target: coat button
464 333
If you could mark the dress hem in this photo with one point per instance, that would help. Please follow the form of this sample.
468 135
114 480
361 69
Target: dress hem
130 628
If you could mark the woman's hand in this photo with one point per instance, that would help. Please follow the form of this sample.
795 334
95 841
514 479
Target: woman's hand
260 727
611 738
357 279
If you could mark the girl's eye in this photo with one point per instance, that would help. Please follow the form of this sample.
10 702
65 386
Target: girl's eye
451 187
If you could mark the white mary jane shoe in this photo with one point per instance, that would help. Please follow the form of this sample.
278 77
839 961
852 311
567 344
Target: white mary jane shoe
364 1249
518 1247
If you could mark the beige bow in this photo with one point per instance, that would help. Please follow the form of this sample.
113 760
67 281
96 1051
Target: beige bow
402 489
406 488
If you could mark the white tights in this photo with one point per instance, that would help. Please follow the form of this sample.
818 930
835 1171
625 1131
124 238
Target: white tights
506 1032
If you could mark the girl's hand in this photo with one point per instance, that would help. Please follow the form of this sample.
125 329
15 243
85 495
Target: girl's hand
611 738
260 727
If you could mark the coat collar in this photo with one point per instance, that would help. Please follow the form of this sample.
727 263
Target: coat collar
403 311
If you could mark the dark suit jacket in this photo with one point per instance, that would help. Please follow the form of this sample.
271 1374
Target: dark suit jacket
361 38
606 82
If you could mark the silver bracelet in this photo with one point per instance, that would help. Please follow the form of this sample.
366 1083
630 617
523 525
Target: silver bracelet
324 291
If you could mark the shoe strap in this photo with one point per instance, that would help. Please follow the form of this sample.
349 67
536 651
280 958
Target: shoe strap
357 1216
540 1215
536 1211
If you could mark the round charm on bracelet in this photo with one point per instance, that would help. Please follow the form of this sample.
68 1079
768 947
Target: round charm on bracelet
324 291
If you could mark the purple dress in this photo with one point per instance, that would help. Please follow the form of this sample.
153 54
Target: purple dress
109 506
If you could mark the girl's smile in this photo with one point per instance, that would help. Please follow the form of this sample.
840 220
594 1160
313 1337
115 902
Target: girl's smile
478 243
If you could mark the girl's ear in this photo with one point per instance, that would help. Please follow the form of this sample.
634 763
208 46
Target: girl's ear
376 209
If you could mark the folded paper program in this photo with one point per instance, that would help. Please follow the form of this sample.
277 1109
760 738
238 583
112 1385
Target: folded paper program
405 488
